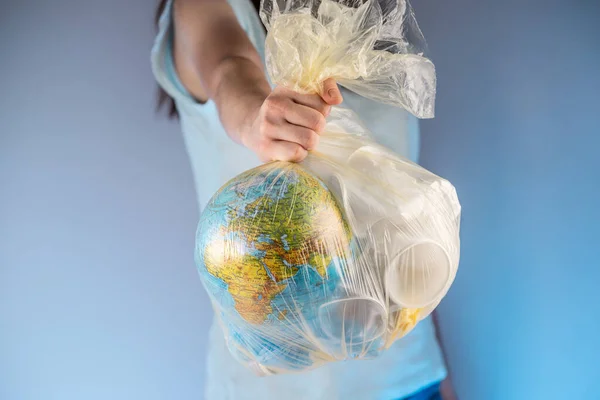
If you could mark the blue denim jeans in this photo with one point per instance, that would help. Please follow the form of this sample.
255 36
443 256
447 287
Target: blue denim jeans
430 393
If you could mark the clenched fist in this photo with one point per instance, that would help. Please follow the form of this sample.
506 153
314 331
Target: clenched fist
288 124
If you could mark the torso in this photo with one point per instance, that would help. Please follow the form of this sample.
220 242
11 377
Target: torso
410 364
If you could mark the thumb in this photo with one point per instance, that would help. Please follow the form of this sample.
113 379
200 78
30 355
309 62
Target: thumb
331 92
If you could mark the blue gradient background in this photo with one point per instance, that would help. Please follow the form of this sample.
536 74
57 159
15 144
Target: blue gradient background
99 297
517 131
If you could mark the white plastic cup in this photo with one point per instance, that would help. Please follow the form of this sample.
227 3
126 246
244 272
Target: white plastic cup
419 275
418 270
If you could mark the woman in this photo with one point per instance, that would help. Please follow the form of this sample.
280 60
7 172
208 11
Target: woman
208 60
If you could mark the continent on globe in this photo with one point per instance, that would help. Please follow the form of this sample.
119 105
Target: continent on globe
264 230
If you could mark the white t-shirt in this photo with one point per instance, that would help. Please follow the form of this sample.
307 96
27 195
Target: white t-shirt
411 364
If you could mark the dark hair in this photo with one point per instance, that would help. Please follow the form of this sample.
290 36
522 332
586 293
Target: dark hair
163 100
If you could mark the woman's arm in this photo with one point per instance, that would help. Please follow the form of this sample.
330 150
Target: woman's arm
215 60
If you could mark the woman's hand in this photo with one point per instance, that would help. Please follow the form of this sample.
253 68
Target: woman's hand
287 124
216 60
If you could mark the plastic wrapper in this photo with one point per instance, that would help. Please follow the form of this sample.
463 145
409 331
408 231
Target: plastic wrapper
339 256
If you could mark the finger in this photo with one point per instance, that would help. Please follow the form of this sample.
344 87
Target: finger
313 101
331 92
307 117
310 100
281 150
305 137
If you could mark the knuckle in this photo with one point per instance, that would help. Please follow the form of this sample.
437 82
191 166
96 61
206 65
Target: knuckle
263 147
270 100
275 105
312 140
298 154
269 106
319 123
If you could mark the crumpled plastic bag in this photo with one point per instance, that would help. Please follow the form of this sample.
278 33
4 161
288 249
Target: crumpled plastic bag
337 257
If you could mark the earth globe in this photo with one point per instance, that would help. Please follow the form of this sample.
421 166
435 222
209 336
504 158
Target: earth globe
272 246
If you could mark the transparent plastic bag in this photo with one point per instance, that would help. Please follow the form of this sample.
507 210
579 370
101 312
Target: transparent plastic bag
372 47
338 256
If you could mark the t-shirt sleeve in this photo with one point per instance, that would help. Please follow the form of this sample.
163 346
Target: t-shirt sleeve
163 66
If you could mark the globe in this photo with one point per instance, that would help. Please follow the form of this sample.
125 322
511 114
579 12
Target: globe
271 248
